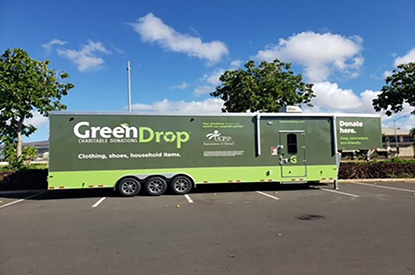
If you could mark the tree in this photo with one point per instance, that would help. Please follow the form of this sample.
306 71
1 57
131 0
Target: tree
399 89
28 154
27 85
266 88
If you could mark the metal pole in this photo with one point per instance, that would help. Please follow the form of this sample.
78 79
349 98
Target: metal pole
396 136
335 149
258 133
396 139
129 86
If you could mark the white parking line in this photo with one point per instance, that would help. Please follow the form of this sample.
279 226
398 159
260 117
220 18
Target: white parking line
188 198
385 187
17 201
99 202
338 192
265 194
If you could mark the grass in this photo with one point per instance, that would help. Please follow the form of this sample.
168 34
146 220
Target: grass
32 166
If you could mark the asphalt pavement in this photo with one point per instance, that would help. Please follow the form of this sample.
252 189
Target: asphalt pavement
363 228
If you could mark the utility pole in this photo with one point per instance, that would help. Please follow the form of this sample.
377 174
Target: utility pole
396 136
129 85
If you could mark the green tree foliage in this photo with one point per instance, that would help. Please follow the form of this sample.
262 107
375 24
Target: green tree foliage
27 85
30 153
17 163
399 89
265 88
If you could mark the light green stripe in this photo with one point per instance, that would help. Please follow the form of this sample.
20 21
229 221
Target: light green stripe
84 179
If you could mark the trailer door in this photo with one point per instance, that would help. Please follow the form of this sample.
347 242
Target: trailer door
292 153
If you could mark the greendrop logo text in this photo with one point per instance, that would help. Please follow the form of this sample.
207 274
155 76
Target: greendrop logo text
127 134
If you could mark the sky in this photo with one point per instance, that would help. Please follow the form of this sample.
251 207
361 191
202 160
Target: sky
179 49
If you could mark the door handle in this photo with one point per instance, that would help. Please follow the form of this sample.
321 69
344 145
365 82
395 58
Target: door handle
281 159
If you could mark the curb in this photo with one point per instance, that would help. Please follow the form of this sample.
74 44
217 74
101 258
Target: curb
405 180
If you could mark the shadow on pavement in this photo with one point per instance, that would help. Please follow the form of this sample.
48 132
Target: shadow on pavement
61 194
247 187
200 189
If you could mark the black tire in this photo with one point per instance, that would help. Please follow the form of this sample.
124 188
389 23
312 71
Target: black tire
181 185
155 186
128 187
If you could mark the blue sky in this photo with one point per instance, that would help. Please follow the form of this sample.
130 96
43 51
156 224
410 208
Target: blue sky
178 49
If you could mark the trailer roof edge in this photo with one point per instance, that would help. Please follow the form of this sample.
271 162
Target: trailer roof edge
220 114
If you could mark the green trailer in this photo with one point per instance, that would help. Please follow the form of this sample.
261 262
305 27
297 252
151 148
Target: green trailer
129 152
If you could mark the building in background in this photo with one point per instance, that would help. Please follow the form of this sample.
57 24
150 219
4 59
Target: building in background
402 143
41 146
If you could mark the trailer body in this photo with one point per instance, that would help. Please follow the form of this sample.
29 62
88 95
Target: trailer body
99 150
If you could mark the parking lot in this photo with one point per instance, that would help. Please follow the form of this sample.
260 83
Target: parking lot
363 228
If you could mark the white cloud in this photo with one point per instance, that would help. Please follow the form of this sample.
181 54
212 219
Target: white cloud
37 120
87 58
236 64
48 46
403 120
387 73
211 80
409 57
410 123
320 54
181 86
332 97
152 29
366 99
203 89
207 106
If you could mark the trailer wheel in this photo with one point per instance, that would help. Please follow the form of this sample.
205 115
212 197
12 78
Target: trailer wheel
128 187
155 186
181 185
